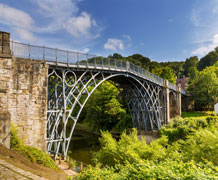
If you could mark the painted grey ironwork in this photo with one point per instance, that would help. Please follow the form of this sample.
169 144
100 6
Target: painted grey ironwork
82 60
70 89
72 79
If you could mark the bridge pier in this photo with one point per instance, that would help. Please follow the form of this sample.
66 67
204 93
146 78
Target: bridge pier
173 102
179 101
23 96
167 101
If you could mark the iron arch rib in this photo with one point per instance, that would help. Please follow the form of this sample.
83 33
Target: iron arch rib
69 90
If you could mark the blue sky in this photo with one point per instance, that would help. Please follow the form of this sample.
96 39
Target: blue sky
163 30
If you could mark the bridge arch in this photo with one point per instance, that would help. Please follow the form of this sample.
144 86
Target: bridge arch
70 90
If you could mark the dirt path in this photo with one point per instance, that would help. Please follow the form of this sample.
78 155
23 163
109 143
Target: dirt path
65 167
10 172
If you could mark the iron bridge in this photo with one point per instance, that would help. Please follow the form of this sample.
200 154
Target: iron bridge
73 77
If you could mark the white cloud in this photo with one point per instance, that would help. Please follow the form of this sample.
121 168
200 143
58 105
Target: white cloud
196 18
204 49
53 16
15 17
64 15
25 35
19 21
80 26
57 12
127 37
204 17
205 32
85 50
114 44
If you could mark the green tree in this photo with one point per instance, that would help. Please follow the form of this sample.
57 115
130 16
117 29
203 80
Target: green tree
105 111
204 89
192 73
116 56
139 60
208 60
190 62
166 73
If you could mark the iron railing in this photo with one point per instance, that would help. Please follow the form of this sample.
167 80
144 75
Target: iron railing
69 57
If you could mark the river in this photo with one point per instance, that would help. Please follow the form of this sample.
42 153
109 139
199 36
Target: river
82 145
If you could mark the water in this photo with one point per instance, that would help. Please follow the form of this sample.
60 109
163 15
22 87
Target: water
82 145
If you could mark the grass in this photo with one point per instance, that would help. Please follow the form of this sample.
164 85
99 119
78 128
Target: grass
198 114
21 161
30 158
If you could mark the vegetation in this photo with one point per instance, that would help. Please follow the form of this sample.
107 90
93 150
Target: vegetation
166 73
187 149
33 154
208 60
104 110
204 88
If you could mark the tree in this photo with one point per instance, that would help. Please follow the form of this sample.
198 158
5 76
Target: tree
190 62
139 60
192 73
116 56
166 73
204 89
208 60
105 111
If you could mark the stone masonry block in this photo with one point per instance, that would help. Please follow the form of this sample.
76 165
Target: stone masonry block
5 121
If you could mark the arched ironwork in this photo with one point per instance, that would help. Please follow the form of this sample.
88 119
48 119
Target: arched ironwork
69 90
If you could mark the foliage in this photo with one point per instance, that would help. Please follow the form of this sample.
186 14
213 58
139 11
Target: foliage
128 149
201 147
193 73
14 139
166 73
190 154
192 122
190 63
208 60
32 153
105 111
204 88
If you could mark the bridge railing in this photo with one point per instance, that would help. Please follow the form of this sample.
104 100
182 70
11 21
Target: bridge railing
69 57
172 86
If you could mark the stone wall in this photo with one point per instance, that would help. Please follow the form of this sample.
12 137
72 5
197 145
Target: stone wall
23 100
23 96
27 101
5 118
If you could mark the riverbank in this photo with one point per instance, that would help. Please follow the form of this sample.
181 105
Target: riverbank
20 162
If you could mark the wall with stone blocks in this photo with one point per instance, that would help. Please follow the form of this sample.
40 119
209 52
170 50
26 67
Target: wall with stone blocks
5 118
23 97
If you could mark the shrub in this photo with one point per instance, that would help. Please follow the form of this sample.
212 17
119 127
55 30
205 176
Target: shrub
180 128
201 147
151 170
190 153
14 140
32 153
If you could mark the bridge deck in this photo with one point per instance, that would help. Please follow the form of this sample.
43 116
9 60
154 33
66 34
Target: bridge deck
62 58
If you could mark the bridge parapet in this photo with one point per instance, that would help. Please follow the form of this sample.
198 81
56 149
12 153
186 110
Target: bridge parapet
80 60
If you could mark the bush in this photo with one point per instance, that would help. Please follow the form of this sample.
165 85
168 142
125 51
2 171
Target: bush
14 140
180 128
32 153
128 149
151 170
190 153
201 147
